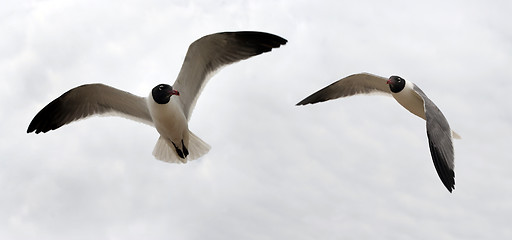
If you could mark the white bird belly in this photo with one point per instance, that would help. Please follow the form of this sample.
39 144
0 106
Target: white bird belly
410 100
170 120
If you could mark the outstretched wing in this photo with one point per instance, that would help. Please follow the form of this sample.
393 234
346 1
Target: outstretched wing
440 141
361 83
211 52
87 100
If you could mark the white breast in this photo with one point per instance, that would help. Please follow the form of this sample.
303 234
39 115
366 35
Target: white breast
169 119
410 100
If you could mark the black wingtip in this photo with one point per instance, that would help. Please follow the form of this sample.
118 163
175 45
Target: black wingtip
301 103
306 101
447 178
47 119
449 183
260 41
312 99
444 172
269 38
33 125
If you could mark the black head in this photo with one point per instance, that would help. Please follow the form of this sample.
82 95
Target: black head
396 83
162 93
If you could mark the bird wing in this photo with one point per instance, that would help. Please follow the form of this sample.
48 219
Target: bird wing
87 100
209 53
361 83
440 141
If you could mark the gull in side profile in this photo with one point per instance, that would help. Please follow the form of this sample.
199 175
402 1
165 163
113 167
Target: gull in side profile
167 108
412 98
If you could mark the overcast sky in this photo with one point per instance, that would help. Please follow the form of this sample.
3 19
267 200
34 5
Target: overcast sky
354 168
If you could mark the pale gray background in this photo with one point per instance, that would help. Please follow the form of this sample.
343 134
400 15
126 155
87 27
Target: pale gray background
355 168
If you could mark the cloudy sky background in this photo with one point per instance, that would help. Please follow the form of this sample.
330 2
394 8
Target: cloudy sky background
354 168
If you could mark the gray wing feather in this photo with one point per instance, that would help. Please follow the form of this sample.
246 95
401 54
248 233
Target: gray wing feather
361 83
440 141
209 53
87 100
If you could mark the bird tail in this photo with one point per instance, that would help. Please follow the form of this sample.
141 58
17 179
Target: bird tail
197 147
165 151
456 135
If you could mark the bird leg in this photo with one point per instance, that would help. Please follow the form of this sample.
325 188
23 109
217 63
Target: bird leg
178 151
182 153
185 150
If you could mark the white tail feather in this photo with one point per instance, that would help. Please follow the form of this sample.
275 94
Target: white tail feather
196 147
165 151
456 135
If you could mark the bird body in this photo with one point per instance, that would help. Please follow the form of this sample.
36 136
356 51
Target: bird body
172 125
410 100
169 120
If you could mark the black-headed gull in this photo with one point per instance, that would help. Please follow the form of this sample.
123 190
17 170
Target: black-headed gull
167 108
412 98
